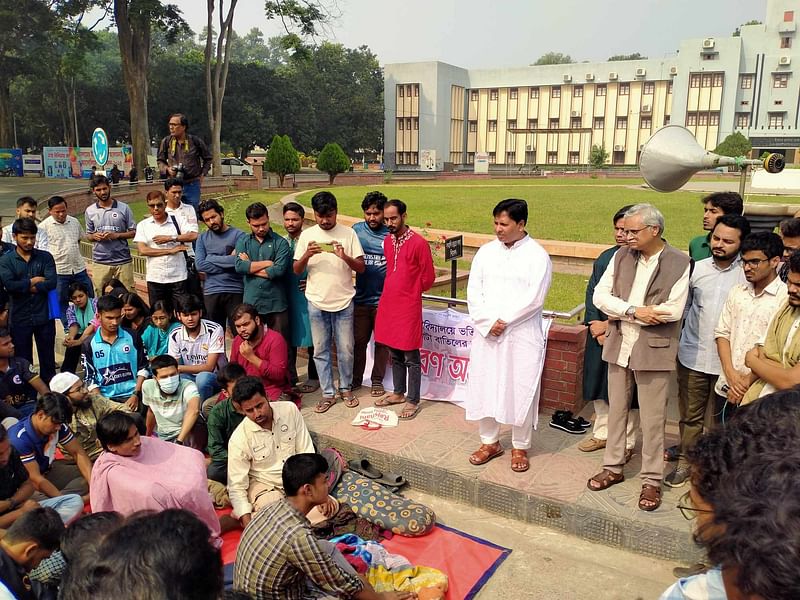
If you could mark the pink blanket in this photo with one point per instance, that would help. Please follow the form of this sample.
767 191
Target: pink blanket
162 476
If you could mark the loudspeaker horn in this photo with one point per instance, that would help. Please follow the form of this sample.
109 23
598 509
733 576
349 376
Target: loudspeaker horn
672 155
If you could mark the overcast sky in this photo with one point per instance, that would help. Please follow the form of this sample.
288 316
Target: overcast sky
493 33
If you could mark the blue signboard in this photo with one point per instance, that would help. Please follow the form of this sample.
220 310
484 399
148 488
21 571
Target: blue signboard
100 147
11 158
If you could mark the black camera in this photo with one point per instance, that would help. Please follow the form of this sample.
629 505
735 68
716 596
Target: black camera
180 171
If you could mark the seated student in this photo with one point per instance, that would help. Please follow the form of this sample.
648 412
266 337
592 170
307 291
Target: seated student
143 473
745 497
114 362
279 556
223 420
114 285
173 405
32 538
79 546
135 313
162 555
36 437
16 489
155 336
271 433
81 324
86 410
19 381
198 345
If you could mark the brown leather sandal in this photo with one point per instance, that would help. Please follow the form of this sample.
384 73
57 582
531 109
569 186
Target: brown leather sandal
604 480
486 453
651 495
519 461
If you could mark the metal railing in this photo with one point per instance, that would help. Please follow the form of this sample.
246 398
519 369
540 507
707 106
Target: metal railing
548 314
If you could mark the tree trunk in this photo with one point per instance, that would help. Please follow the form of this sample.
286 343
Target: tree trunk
331 177
280 179
6 132
134 45
215 84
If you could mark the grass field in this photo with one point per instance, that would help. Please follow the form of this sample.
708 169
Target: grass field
560 209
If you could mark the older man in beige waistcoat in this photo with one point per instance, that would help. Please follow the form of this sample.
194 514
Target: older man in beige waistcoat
643 292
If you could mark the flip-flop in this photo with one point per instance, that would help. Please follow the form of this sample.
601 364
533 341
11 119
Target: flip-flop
384 402
324 405
366 468
307 388
377 391
409 414
392 480
350 401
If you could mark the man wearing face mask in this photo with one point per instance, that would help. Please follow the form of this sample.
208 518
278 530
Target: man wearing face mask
86 411
173 405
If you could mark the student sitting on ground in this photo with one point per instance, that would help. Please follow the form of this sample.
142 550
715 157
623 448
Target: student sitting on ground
143 473
81 324
279 556
155 336
135 313
223 419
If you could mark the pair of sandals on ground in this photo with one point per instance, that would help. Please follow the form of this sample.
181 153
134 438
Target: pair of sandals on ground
519 458
649 498
409 411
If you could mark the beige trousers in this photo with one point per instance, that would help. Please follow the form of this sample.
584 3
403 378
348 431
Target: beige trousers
261 495
102 273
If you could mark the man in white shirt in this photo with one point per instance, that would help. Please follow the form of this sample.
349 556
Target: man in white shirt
747 312
64 234
26 207
270 433
698 362
164 250
173 405
330 253
508 283
198 346
643 292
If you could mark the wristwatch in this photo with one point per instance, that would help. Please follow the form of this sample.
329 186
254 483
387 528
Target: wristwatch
631 312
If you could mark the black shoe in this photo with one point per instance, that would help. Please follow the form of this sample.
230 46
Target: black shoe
583 422
566 423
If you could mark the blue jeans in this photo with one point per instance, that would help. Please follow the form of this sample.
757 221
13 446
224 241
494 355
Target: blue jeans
327 327
206 384
62 289
68 506
191 193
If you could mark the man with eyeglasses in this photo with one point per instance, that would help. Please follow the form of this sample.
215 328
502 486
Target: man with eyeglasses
746 314
775 361
698 361
164 250
643 292
185 157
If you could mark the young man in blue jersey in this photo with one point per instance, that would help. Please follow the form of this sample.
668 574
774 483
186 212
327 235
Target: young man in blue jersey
114 360
369 287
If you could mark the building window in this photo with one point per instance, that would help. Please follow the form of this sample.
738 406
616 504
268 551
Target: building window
408 124
577 91
646 123
718 78
414 159
573 158
788 16
649 88
416 90
512 124
600 90
400 124
624 89
618 157
399 158
575 123
669 87
401 90
470 158
415 120
493 94
666 119
556 93
552 158
534 93
742 120
702 118
599 122
705 80
775 120
492 125
780 80
694 80
511 157
745 82
408 90
713 56
713 119
622 122
778 102
473 95
473 126
492 158
691 119
554 123
533 123
513 93
786 42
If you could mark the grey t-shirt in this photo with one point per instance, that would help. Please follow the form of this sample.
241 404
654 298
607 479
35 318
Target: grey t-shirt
117 218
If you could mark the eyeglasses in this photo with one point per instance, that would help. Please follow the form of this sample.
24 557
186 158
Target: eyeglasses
174 124
634 232
753 262
158 205
688 509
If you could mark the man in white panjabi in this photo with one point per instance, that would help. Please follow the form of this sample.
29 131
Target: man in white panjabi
508 283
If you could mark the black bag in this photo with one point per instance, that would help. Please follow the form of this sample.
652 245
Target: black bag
192 278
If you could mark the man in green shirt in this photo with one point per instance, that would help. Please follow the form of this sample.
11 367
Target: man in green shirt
714 206
223 419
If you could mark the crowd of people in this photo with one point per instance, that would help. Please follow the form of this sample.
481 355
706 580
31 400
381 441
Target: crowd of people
147 386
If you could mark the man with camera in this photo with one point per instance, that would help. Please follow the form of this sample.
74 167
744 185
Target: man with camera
184 157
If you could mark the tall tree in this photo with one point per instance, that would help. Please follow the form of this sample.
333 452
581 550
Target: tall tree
135 21
734 144
332 160
282 158
554 58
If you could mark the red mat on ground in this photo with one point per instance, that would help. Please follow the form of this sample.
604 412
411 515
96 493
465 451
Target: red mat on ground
467 561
